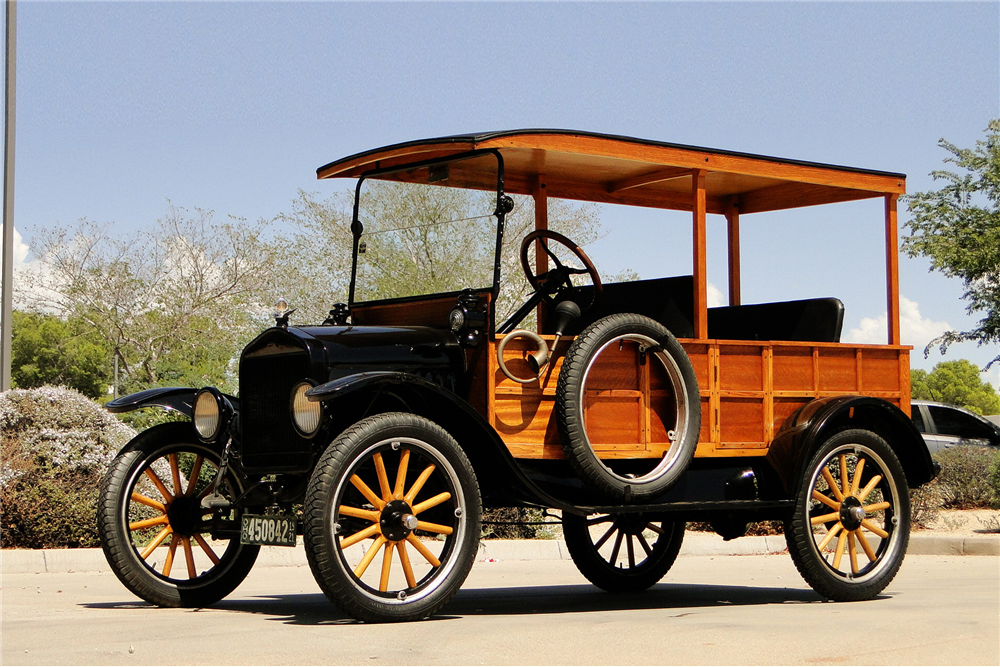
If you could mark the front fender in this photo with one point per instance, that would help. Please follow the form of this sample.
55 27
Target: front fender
176 399
809 426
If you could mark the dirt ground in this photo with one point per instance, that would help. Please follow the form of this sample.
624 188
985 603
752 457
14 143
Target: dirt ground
964 522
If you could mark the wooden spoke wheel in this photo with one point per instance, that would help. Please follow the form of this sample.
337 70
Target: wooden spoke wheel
392 518
622 552
851 525
153 529
655 397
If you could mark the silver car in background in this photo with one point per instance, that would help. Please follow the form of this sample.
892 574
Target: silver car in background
944 426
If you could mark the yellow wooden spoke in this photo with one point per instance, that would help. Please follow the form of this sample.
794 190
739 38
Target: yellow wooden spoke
832 516
404 560
383 582
175 473
360 485
434 528
146 523
404 461
189 558
875 529
358 513
829 536
162 535
826 500
431 502
361 535
631 551
605 536
833 485
853 552
207 549
863 541
617 548
149 502
424 551
411 495
160 486
839 551
877 506
193 476
169 563
844 481
369 556
383 478
857 476
868 488
656 529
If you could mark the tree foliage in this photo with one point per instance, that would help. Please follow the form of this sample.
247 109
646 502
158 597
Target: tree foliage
958 228
412 240
172 302
956 382
49 350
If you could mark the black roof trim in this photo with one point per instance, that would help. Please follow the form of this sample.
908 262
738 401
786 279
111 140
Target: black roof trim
485 136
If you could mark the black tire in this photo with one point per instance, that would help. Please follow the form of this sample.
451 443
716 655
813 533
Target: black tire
600 558
631 480
343 510
837 502
136 515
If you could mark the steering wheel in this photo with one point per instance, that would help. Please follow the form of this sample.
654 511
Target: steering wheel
557 280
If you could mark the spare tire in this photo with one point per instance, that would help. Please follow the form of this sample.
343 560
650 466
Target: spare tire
678 406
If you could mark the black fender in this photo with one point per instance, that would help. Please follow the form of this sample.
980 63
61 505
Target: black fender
809 426
501 478
177 399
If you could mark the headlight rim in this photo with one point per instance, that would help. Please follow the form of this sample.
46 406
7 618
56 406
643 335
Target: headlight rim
307 384
223 414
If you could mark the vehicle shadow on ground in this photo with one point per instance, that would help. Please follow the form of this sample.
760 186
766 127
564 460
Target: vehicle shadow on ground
315 609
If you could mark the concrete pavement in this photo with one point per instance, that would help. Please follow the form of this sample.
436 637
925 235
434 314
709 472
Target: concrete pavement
924 543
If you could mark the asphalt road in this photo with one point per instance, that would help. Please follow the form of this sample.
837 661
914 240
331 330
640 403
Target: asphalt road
708 610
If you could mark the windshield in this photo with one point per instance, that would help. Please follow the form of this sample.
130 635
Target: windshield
427 230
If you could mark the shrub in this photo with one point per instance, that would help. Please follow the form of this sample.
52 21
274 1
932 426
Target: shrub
993 478
964 482
512 523
55 448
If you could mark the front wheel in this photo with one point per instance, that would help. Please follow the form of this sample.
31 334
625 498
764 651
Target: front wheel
622 553
153 529
397 489
851 524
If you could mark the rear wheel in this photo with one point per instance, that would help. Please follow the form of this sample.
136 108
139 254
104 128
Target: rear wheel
392 518
154 532
851 525
622 552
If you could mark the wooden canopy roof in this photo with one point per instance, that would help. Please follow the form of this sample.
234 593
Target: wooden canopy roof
623 170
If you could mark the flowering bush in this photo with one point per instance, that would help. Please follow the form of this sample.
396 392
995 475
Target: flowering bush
55 448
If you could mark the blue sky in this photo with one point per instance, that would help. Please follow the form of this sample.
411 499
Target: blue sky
232 107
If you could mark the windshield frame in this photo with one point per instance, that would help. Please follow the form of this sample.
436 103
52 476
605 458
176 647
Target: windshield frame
357 227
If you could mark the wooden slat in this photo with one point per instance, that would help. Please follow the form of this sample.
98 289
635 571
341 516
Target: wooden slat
892 269
657 176
540 197
797 195
700 261
733 229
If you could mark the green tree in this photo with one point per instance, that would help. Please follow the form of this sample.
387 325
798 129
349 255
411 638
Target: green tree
958 228
958 383
173 303
49 350
413 236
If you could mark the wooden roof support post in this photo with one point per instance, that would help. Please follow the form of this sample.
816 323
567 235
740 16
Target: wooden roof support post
700 264
892 268
733 223
541 198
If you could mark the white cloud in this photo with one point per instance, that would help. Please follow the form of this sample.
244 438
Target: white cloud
715 298
21 249
914 329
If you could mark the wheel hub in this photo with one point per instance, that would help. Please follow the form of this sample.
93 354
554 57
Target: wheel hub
851 513
397 520
184 515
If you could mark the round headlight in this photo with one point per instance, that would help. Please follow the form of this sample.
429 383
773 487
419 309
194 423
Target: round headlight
305 413
207 414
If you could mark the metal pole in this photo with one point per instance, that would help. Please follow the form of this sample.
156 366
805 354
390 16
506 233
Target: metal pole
6 311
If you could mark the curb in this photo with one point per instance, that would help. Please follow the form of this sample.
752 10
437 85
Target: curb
51 561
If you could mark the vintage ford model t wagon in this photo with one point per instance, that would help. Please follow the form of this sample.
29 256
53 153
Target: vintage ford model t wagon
380 434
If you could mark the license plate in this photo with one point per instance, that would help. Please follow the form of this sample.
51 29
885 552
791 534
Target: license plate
271 529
